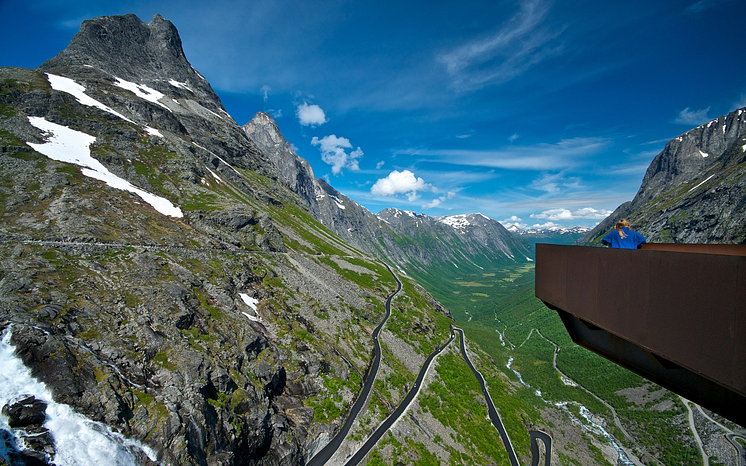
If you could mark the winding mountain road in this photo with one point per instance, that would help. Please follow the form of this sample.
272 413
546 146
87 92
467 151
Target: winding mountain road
328 451
325 453
494 416
393 417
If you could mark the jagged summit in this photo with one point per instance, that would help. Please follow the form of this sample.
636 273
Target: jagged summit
296 171
465 221
692 153
126 47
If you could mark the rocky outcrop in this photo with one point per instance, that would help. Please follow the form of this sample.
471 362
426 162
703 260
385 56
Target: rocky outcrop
694 191
296 171
27 416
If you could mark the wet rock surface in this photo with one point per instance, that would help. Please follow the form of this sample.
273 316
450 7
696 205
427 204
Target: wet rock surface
32 443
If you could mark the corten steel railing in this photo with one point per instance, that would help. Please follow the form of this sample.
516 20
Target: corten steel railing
673 313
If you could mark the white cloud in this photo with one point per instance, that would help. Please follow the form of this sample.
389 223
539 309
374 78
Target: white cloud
560 214
693 117
590 212
513 137
554 215
380 164
265 92
400 182
544 226
510 51
562 154
310 115
512 219
439 200
333 153
552 184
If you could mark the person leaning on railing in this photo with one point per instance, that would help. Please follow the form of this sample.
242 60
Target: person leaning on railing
624 237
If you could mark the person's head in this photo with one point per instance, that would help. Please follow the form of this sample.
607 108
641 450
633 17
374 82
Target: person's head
622 224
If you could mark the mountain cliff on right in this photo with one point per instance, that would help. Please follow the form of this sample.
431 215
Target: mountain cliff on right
694 191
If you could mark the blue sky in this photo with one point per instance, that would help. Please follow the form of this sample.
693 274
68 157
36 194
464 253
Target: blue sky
526 111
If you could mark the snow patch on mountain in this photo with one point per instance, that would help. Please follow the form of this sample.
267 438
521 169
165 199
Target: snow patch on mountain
63 84
67 145
142 91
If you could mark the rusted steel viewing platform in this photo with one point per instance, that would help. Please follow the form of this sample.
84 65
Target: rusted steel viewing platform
673 313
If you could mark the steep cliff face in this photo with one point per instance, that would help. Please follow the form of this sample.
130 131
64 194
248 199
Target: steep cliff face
348 219
158 274
296 172
694 191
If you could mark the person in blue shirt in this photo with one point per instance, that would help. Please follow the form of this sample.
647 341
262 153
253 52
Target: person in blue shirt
623 237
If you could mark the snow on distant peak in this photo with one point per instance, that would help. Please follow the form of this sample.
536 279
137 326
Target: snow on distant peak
70 146
459 222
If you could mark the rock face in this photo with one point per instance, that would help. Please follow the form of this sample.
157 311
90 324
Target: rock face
694 191
212 336
27 415
145 53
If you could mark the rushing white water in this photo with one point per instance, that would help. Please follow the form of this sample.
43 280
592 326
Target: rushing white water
585 413
78 440
518 374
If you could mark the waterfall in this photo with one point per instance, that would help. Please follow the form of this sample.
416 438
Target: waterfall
77 439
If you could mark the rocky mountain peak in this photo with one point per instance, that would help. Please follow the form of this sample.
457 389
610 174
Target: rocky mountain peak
297 173
126 47
394 216
466 221
693 190
687 156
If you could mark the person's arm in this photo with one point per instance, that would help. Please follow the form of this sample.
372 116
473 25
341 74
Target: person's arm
606 240
640 240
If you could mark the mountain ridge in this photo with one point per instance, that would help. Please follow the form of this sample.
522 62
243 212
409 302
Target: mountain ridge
230 334
694 189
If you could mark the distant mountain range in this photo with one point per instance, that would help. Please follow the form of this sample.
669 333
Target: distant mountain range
554 234
401 238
